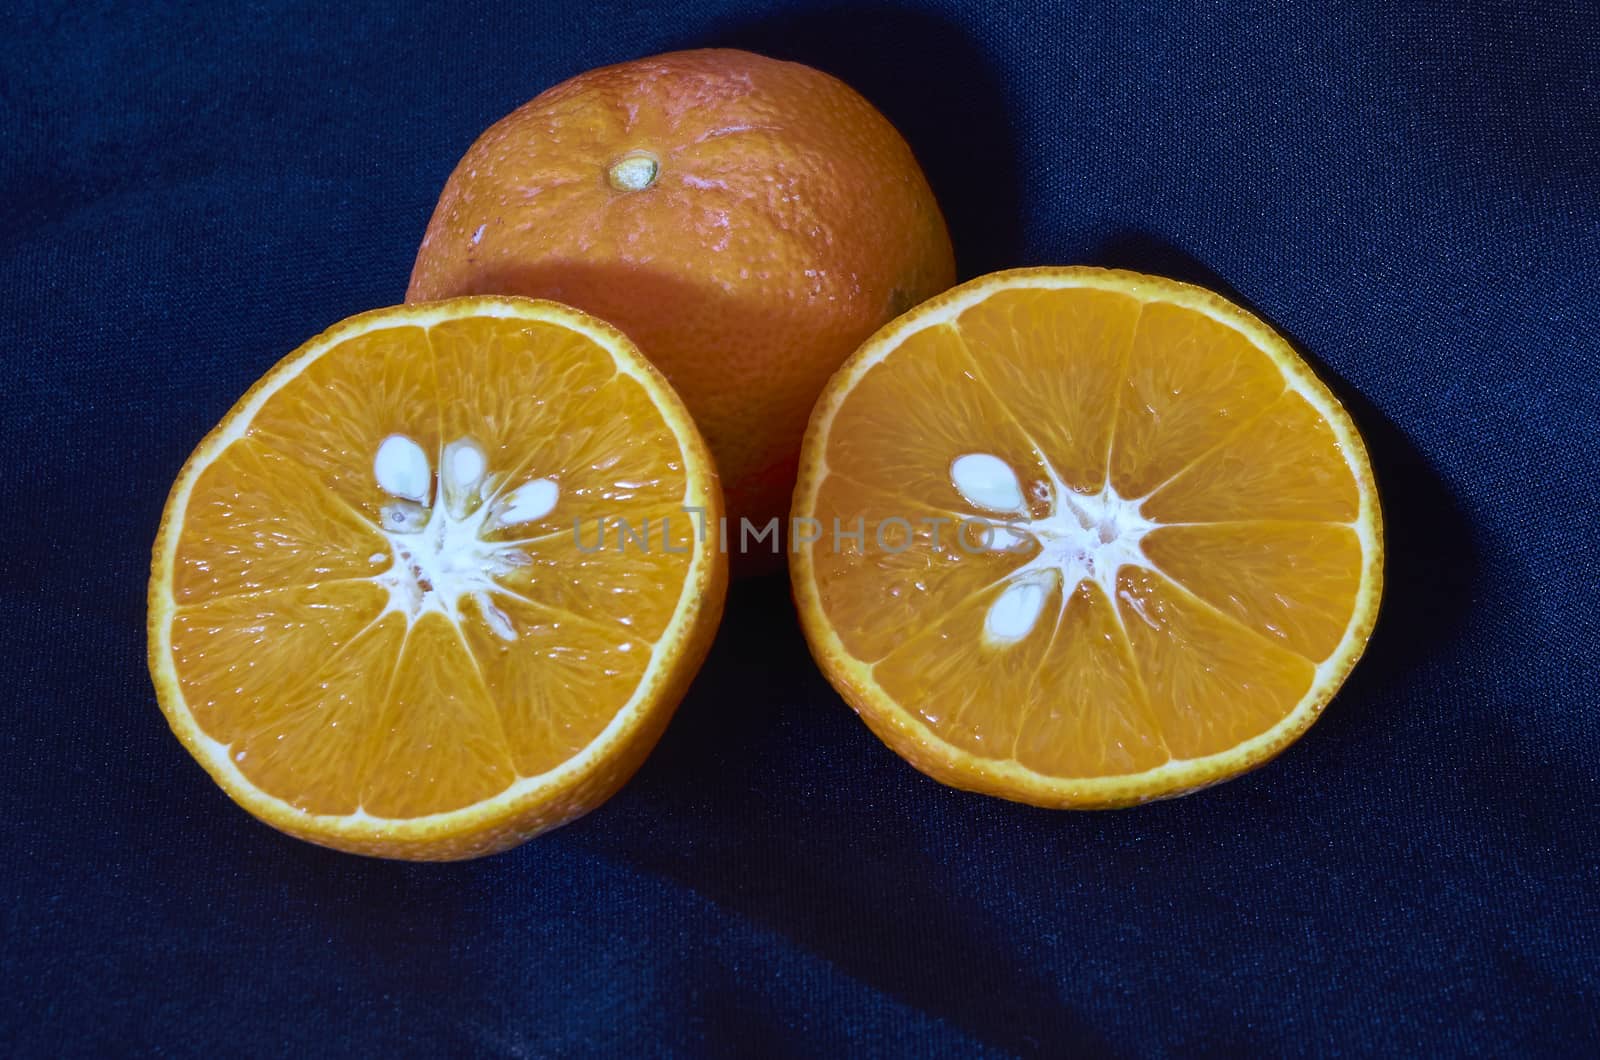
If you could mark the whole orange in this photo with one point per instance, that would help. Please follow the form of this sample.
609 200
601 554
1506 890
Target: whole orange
747 222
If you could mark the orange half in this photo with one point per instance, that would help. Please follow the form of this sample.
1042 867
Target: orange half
1084 538
392 609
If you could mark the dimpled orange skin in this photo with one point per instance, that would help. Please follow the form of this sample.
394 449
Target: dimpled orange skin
787 220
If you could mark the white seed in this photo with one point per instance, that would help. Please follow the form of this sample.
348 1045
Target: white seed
494 617
528 502
466 463
998 537
503 561
401 468
1013 614
460 473
988 482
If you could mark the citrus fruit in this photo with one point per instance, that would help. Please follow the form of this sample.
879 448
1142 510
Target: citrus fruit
1084 538
748 222
393 608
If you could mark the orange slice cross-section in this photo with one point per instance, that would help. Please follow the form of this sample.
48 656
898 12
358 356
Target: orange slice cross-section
1106 538
389 611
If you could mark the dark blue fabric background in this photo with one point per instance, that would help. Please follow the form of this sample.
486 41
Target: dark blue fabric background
1411 192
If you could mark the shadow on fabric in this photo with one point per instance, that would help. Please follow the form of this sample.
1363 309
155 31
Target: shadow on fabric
1430 562
873 903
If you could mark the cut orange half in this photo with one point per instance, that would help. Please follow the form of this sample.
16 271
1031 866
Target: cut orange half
1084 538
394 607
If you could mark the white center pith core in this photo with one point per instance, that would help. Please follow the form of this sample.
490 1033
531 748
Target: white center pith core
436 527
1082 537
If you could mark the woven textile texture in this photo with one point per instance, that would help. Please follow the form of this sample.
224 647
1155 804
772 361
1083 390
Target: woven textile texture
1410 192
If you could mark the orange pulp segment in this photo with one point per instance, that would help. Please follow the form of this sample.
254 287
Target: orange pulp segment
1084 538
389 611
